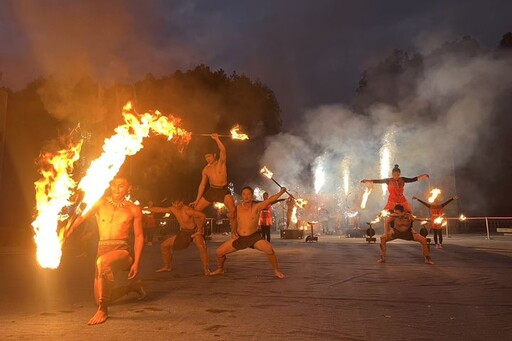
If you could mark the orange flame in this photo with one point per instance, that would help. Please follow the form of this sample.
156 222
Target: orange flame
219 206
266 172
438 220
53 192
294 215
433 194
301 202
56 187
235 135
127 141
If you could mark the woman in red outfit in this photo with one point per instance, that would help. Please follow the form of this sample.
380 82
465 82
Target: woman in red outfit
396 186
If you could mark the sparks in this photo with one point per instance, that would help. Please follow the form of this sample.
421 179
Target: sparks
386 154
366 194
319 176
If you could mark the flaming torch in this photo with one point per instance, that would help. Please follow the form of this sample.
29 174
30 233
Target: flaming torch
235 134
267 173
433 195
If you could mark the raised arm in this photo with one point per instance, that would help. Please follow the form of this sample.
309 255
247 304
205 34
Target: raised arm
155 209
79 220
222 148
376 181
270 200
449 201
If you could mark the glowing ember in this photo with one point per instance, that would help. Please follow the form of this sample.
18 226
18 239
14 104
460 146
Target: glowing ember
438 220
266 172
219 206
53 192
236 135
433 195
366 194
462 217
301 202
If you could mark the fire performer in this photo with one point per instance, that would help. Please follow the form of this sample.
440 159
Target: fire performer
402 229
290 204
115 217
191 230
216 175
396 186
247 231
436 221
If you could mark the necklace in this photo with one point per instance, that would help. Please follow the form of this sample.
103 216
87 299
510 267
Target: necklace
115 203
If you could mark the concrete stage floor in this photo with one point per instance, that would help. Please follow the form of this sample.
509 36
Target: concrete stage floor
334 290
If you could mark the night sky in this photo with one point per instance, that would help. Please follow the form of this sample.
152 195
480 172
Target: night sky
310 53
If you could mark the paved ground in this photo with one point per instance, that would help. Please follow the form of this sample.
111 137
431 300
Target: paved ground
334 290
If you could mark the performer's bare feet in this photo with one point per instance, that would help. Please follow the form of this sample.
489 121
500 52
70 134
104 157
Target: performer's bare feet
217 272
206 272
381 260
164 269
428 260
98 318
279 274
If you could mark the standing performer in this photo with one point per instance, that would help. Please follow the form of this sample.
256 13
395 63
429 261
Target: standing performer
191 230
396 186
115 217
247 232
436 211
402 229
215 173
148 223
266 219
290 204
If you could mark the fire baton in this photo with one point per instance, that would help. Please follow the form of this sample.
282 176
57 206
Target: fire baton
267 173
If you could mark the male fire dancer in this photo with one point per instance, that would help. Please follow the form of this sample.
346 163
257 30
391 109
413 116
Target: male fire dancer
247 234
396 186
191 230
402 229
436 211
115 217
215 173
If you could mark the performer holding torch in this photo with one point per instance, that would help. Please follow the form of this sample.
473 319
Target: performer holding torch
215 173
396 186
116 217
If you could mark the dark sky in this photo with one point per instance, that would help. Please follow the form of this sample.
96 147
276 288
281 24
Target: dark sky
309 52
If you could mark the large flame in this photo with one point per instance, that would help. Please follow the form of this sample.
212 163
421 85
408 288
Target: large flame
235 135
294 215
53 193
56 187
434 194
438 220
366 194
127 141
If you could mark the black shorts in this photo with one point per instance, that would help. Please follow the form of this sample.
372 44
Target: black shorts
216 194
407 235
243 242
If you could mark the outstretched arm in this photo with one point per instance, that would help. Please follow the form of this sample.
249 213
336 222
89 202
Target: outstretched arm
449 201
155 209
376 181
421 201
270 200
79 220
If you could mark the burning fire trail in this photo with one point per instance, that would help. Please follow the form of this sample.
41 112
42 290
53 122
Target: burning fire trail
235 134
386 155
346 175
298 201
126 141
433 195
319 176
366 194
53 192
